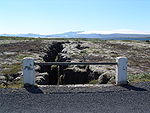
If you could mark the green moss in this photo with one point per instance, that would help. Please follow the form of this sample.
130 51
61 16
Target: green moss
51 38
139 77
1 86
20 57
12 68
15 38
93 82
83 52
114 55
8 56
97 40
96 51
14 84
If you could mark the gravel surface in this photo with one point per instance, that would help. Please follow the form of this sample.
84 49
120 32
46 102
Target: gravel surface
134 98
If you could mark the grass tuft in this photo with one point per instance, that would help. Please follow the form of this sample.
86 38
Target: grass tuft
12 69
139 78
93 82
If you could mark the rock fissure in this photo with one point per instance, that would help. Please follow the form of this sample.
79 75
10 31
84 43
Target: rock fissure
71 74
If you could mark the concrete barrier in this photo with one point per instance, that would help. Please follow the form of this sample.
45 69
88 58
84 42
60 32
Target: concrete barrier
121 71
29 70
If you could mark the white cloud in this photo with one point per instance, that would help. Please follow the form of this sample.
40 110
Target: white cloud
121 31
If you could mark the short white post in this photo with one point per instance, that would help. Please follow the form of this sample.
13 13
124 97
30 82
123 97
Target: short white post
121 71
28 71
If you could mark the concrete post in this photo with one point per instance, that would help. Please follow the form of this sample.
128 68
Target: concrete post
28 71
121 71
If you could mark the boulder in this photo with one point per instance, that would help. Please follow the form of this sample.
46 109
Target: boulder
42 79
81 47
93 75
17 78
3 83
63 57
2 77
74 76
104 78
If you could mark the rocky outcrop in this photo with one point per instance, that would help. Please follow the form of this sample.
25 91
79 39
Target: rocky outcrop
13 51
104 78
77 74
42 79
6 79
50 55
74 75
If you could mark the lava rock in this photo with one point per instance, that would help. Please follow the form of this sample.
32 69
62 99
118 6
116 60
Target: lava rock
42 79
74 76
104 78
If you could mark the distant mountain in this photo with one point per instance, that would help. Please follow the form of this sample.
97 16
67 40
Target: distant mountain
77 34
24 35
82 34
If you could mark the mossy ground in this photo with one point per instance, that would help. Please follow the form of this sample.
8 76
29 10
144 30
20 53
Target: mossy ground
13 84
11 68
140 77
134 54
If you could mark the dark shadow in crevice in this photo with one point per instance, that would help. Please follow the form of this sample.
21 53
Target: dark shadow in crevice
34 89
134 88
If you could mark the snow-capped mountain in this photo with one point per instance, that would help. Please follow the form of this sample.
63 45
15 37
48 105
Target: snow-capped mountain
89 34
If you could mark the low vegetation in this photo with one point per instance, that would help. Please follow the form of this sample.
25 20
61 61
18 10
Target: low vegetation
93 82
139 77
11 56
14 84
52 38
11 68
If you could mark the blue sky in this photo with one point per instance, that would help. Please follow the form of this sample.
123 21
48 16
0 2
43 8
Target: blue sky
56 16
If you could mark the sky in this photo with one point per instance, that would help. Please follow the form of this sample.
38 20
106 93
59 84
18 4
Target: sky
58 16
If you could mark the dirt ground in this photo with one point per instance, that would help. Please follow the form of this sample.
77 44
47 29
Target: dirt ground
138 53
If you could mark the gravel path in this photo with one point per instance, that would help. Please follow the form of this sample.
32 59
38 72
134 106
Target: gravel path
134 98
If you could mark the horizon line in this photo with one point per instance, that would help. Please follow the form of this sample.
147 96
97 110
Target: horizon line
120 31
